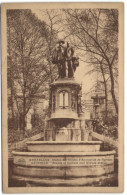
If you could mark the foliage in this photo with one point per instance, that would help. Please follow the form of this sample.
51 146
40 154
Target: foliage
112 120
28 68
108 127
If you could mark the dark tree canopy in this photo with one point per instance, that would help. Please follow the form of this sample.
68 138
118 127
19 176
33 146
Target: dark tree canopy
28 68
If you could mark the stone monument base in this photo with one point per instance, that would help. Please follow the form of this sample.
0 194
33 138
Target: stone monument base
63 182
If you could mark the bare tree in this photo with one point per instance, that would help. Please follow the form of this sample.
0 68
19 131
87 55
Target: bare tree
95 32
54 27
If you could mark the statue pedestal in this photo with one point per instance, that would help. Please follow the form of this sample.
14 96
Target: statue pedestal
64 123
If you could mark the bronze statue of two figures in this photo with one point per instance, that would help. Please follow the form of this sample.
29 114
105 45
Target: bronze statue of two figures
65 60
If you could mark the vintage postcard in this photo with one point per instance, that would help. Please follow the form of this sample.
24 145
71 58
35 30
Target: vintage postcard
62 97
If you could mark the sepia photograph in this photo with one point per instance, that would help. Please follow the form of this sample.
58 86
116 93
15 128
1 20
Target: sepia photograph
62 97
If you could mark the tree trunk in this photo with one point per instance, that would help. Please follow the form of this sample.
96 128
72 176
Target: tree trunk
24 112
24 124
112 89
51 76
106 99
106 94
12 100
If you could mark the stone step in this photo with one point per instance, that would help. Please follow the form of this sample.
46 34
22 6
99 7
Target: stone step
22 144
105 139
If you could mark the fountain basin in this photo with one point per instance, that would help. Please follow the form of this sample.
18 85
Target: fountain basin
65 164
65 146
